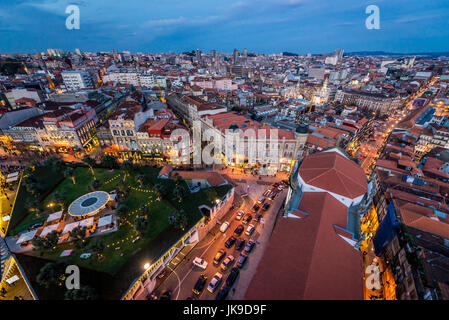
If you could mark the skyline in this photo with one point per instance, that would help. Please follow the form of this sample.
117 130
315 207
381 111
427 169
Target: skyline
298 26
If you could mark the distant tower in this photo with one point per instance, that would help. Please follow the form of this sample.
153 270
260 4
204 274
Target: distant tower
235 56
301 134
245 52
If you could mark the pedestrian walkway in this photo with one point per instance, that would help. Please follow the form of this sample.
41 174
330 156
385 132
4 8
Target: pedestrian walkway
4 255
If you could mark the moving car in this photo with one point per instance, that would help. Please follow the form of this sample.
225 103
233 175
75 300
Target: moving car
222 294
242 260
215 282
224 226
227 262
239 244
239 215
255 208
232 276
219 256
247 219
249 246
200 263
230 242
266 206
238 231
249 231
199 285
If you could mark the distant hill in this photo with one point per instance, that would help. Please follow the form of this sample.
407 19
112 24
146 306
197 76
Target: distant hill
384 53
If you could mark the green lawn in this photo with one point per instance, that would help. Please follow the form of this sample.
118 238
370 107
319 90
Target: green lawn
20 217
159 216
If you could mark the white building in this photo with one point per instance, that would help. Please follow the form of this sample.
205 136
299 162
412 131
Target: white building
76 80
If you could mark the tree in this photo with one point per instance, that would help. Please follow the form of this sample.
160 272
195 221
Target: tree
83 293
160 189
60 198
121 211
78 234
55 164
90 163
141 225
122 187
127 166
51 274
141 179
69 172
179 192
94 185
97 246
180 220
47 242
109 161
144 210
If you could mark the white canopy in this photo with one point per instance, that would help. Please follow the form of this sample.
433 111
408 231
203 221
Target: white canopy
49 229
87 222
54 216
6 218
69 227
11 179
12 279
11 175
26 236
104 221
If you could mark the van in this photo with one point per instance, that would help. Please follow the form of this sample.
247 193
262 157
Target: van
224 226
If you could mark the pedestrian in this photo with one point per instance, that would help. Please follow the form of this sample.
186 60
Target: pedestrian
233 290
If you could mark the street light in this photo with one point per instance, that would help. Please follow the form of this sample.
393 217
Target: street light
146 266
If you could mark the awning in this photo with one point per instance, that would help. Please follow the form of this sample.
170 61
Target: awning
12 175
54 216
87 222
69 227
104 221
26 236
12 279
49 229
12 179
6 218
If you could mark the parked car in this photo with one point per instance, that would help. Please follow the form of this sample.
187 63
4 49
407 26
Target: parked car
239 215
247 219
232 276
223 293
242 260
215 282
255 208
230 242
266 206
261 200
257 217
219 256
200 263
3 157
272 195
227 262
239 244
249 231
266 193
199 285
224 226
249 246
238 231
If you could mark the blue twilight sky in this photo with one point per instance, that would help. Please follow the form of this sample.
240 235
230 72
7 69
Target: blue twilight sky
263 26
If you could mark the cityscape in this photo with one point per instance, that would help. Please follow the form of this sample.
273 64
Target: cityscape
213 174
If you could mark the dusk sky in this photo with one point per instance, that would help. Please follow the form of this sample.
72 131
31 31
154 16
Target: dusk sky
263 26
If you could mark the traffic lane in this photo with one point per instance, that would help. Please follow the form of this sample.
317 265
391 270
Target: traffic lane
236 253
